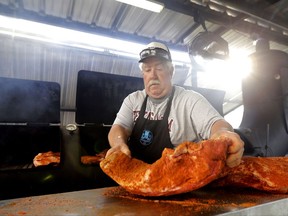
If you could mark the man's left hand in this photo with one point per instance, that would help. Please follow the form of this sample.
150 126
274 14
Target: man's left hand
235 150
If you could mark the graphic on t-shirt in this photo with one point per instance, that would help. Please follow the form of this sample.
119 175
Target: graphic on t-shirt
146 137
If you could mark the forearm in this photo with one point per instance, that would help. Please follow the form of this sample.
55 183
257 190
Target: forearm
117 135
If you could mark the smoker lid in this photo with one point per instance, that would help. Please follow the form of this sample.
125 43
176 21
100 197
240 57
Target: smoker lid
29 101
100 95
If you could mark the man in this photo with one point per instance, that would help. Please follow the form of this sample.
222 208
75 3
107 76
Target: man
163 116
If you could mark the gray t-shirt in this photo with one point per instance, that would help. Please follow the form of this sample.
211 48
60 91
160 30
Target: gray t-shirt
191 116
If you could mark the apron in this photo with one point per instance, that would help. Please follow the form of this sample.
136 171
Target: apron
149 137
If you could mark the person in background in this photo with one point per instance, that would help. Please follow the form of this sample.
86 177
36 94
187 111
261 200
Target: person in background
163 115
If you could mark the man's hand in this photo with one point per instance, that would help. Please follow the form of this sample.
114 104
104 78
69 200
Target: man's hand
121 147
235 150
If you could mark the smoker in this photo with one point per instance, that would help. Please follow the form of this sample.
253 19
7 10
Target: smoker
30 124
264 126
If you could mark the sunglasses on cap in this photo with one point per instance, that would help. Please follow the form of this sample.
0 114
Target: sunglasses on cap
155 52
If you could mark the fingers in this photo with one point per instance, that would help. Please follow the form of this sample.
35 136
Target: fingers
122 148
237 144
126 150
183 149
235 158
109 152
235 150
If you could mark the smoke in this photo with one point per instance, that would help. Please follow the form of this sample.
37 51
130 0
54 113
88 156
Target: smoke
27 101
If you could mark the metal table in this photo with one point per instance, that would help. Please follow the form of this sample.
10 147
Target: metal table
116 201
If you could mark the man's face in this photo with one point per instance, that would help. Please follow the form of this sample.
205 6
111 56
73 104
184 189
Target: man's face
157 77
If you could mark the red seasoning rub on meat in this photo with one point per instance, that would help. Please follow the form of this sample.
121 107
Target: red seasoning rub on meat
53 158
188 167
263 173
93 159
46 158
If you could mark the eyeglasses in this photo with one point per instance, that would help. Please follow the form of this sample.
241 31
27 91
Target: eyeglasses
157 52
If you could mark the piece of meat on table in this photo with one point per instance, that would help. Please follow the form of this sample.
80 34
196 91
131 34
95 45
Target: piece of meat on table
189 167
263 173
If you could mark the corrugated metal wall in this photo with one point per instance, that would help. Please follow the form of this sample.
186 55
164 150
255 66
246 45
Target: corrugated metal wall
27 59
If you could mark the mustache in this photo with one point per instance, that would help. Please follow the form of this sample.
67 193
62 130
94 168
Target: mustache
153 82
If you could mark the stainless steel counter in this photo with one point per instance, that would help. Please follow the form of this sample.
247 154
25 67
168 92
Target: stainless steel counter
116 201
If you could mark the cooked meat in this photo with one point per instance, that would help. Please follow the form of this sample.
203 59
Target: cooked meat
93 159
188 167
262 173
46 158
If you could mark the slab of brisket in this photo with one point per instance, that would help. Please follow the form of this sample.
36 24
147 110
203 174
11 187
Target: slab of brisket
263 173
189 167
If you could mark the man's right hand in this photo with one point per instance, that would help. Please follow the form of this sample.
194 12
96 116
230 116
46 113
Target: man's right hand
120 147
